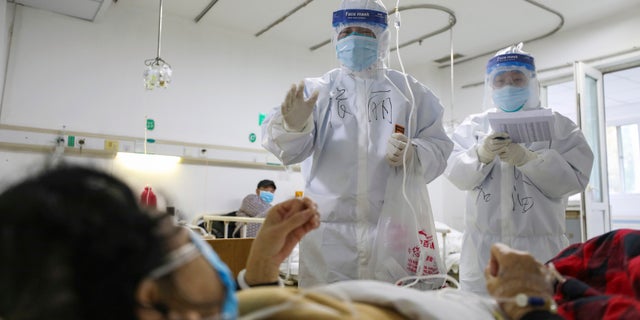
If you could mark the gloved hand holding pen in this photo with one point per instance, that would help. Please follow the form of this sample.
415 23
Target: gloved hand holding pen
295 110
492 146
516 155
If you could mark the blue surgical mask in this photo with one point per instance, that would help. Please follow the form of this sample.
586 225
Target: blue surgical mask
510 98
230 306
357 52
266 196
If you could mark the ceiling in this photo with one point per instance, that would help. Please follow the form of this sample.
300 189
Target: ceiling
479 27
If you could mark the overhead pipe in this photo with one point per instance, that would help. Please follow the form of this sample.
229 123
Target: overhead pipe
284 17
205 11
525 41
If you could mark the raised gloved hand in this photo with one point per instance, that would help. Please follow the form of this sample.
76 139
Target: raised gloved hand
517 155
295 110
395 149
493 144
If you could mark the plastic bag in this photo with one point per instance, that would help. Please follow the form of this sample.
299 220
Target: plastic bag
406 243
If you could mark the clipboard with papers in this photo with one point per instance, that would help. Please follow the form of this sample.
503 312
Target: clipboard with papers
524 126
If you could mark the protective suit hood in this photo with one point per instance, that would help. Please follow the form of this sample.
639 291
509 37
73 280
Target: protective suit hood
510 59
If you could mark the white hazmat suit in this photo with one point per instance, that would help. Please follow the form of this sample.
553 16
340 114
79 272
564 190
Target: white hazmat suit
521 205
344 146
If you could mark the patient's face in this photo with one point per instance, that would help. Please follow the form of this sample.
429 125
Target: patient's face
191 291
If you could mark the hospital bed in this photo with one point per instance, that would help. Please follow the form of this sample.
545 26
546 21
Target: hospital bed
449 240
233 251
208 220
288 269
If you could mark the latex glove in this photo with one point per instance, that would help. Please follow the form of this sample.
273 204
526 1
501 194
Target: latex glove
395 149
493 145
511 272
517 155
295 110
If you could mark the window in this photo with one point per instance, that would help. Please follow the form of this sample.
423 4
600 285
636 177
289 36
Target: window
624 151
622 115
613 160
623 124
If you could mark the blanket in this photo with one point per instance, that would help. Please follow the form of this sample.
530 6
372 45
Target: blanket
603 277
363 299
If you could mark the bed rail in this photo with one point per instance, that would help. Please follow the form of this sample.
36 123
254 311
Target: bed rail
210 218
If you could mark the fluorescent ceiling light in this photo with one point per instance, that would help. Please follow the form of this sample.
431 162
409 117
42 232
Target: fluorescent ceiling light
147 162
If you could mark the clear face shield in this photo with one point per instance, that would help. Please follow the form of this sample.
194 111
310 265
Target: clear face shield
511 84
361 38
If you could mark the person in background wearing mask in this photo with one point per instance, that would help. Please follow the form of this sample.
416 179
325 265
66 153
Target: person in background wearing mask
516 193
351 129
256 206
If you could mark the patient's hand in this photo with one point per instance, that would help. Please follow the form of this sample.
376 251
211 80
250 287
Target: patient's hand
511 272
285 224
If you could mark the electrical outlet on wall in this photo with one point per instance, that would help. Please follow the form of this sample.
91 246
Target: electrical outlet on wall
111 145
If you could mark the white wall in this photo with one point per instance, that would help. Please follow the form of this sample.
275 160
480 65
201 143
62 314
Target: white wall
600 39
191 189
88 77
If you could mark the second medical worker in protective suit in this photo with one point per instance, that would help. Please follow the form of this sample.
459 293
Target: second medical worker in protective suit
517 193
346 127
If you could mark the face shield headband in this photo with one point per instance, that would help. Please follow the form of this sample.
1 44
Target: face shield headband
512 60
360 16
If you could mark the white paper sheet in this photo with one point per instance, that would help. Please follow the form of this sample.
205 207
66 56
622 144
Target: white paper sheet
523 126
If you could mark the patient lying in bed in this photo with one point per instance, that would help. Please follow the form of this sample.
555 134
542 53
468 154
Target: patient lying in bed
597 279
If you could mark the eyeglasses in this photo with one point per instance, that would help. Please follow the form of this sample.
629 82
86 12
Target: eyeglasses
514 78
358 31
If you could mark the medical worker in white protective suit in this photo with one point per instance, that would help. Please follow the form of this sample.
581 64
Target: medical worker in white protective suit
516 192
345 129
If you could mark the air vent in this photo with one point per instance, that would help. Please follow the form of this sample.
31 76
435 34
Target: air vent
447 58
